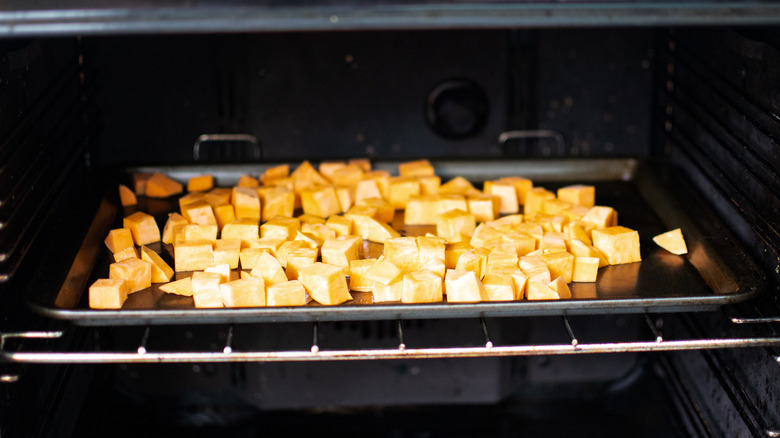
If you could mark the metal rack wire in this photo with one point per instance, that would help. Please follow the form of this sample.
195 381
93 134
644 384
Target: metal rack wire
654 341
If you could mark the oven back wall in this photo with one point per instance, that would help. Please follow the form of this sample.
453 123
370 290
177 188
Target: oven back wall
373 94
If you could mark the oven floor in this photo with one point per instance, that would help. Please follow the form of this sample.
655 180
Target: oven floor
638 406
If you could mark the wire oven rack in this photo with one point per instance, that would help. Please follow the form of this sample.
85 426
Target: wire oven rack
650 341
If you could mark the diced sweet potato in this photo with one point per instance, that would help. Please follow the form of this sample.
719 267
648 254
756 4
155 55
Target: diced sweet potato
193 256
200 183
119 239
341 225
139 182
272 174
585 269
422 210
246 202
269 269
403 253
325 283
126 196
458 185
672 241
175 220
402 189
560 287
385 211
383 271
358 281
276 202
484 207
499 287
453 251
300 258
347 175
464 287
288 246
367 188
536 269
127 253
416 168
245 230
534 200
320 201
205 289
579 194
219 196
199 212
281 227
599 216
429 184
383 293
221 269
179 287
224 214
143 228
619 244
247 181
245 292
560 264
454 222
248 257
160 186
522 186
137 273
519 280
431 248
506 193
341 251
422 287
195 232
161 272
288 293
108 293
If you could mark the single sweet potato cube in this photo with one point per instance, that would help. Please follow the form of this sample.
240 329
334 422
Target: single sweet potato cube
483 234
226 251
275 173
320 201
422 210
200 183
464 287
161 272
536 269
599 217
555 206
325 283
363 163
269 269
586 269
560 264
193 256
300 258
383 271
320 231
245 292
341 225
160 186
244 229
522 242
422 287
429 184
506 192
200 213
452 253
484 207
179 287
357 275
500 287
205 289
248 257
403 253
383 293
672 241
534 200
519 280
276 202
431 248
190 198
107 293
340 251
579 194
401 190
312 241
619 244
475 260
222 269
416 168
560 287
143 228
436 266
455 222
367 188
175 220
126 196
272 244
371 229
195 232
246 202
281 227
219 196
541 291
224 214
575 230
288 293
127 253
522 186
287 247
449 202
457 185
385 211
136 272
553 242
502 255
328 168
119 239
248 181
347 175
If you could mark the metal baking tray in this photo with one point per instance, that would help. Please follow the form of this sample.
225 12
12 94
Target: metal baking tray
649 198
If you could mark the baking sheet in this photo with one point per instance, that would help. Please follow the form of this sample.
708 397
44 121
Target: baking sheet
648 198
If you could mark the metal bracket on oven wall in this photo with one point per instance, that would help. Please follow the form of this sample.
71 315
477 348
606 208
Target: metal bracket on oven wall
556 136
254 151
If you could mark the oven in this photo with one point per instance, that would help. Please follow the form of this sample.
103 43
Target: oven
670 109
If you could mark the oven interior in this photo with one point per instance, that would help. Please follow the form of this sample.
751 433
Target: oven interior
78 109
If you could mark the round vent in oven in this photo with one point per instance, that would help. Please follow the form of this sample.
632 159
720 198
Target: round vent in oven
457 109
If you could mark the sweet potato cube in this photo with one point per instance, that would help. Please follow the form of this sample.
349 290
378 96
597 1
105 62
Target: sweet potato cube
288 293
500 287
457 185
179 287
519 280
161 272
503 255
449 202
464 287
328 168
579 194
536 269
383 293
275 173
195 232
403 253
383 271
453 251
385 211
305 173
429 184
522 242
136 272
246 202
553 290
367 188
247 181
576 231
139 182
160 186
248 257
287 247
126 196
199 212
416 168
483 234
522 186
107 293
672 241
382 178
422 210
226 251
269 269
619 244
357 275
372 229
346 175
341 225
484 207
455 222
224 214
272 244
245 292
127 253
205 289
312 241
422 287
219 196
506 192
200 183
431 248
560 287
244 229
320 231
474 260
119 239
193 256
436 266
342 250
143 228
301 258
281 227
401 189
599 217
560 264
553 242
555 206
320 201
586 269
175 220
581 249
534 200
276 202
325 283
